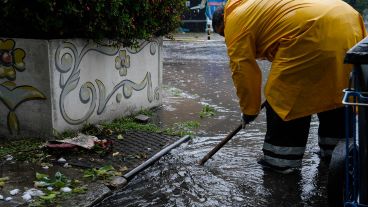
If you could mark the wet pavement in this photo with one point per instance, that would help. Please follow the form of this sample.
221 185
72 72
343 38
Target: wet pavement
126 154
195 74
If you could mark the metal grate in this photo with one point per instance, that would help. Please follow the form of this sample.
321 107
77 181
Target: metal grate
134 149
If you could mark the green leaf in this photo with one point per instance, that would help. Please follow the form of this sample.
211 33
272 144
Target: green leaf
89 174
82 189
41 176
207 111
58 184
48 197
106 168
103 172
3 179
59 175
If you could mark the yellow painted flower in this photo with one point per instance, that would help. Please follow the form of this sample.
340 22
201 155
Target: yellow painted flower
11 59
122 62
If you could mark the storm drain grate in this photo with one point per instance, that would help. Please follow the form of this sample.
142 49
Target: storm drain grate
128 152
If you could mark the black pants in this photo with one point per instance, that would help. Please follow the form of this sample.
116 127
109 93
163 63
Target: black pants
285 141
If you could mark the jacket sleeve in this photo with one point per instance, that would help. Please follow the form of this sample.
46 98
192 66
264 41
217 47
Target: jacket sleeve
246 74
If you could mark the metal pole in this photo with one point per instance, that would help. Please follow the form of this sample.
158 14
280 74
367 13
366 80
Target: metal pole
220 145
363 138
363 165
224 141
128 176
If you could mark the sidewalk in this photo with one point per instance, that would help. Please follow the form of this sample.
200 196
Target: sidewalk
20 179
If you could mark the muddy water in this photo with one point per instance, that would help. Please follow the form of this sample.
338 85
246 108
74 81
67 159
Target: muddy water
196 73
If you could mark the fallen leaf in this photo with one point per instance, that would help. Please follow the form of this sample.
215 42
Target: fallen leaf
49 196
3 179
141 156
39 155
123 168
82 189
118 173
120 137
107 132
44 164
115 154
41 176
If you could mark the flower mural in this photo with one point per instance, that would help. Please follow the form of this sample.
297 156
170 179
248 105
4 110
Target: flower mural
11 59
122 62
99 97
11 95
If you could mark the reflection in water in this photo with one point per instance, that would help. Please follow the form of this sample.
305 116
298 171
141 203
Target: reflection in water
232 176
283 190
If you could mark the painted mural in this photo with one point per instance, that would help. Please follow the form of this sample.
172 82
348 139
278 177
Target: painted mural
11 95
94 93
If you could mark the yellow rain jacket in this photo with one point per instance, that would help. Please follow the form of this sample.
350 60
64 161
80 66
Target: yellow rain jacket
306 41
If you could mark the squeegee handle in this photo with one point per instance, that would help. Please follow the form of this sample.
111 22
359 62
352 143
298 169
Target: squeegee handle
224 141
220 145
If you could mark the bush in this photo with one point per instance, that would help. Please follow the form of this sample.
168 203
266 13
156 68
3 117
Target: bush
125 21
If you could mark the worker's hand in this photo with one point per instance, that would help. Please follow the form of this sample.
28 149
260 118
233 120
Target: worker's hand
246 119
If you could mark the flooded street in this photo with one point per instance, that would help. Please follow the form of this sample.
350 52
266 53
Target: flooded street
195 74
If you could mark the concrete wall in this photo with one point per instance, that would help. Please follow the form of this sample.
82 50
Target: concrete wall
58 85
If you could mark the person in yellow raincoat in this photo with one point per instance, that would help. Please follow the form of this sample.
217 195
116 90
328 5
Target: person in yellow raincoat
306 41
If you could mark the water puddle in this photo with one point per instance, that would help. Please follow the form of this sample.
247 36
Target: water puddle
230 178
198 74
